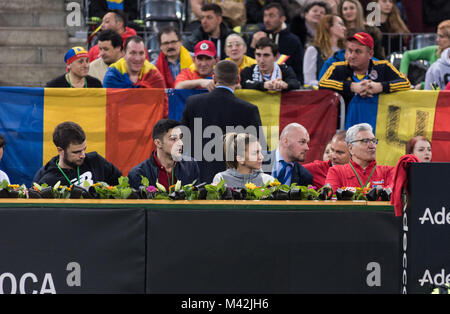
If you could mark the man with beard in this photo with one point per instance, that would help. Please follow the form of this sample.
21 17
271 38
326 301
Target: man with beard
166 164
285 160
110 45
362 169
73 165
200 73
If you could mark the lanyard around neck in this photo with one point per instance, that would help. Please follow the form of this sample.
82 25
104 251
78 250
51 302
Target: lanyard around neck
70 83
65 176
359 179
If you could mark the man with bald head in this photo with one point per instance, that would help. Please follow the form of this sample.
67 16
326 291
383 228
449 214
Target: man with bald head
339 156
291 150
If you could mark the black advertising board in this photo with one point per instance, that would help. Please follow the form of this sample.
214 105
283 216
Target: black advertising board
213 250
72 250
426 228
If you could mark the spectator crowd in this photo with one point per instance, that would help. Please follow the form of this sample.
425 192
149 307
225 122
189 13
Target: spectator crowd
270 46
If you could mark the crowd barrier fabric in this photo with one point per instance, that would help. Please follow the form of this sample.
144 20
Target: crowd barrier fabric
119 122
69 249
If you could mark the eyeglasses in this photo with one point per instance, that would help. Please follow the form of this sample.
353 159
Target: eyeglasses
169 42
366 141
229 45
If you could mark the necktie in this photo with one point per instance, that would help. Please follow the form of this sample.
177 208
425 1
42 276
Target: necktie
284 172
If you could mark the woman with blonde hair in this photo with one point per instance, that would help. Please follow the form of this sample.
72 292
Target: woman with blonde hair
243 159
329 38
430 53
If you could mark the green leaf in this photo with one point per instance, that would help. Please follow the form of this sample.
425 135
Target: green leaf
160 187
123 182
37 186
57 185
144 181
4 184
86 184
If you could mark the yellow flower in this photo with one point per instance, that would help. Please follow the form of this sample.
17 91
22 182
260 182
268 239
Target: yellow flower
13 186
250 186
275 183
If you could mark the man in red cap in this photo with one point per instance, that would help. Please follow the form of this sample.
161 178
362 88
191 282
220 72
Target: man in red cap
199 74
361 76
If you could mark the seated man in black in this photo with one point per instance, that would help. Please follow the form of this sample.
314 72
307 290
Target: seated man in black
166 164
73 165
77 62
267 74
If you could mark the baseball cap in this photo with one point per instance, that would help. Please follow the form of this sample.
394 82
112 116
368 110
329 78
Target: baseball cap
363 38
75 53
205 47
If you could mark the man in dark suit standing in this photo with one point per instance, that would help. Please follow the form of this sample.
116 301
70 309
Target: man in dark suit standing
211 115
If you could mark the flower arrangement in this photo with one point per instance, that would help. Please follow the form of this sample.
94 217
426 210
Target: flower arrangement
218 191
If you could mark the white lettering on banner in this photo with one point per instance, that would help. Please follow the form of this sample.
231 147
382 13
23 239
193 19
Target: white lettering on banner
438 279
47 283
28 282
374 277
439 217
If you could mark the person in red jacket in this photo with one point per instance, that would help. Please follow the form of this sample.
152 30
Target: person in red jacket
117 21
362 169
339 156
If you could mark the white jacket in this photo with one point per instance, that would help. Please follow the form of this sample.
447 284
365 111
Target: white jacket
439 72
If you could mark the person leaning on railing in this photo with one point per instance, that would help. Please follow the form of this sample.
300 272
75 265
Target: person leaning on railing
430 53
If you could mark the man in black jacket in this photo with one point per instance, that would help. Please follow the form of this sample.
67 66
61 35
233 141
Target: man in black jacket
288 44
73 165
211 115
267 74
166 164
212 28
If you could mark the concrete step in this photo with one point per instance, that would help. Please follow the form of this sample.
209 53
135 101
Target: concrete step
32 5
32 19
29 36
31 75
33 55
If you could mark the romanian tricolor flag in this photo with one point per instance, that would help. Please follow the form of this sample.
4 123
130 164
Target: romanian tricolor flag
115 4
404 115
118 124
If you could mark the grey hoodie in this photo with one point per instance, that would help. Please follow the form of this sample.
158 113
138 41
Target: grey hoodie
439 72
234 179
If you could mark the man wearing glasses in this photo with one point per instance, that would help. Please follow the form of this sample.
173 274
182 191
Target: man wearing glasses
362 169
173 56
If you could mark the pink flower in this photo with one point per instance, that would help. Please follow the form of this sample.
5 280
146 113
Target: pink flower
151 189
312 187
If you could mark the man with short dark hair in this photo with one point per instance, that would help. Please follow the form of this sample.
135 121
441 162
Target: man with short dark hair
3 175
275 28
173 57
218 110
73 165
267 74
110 45
212 28
166 164
117 21
339 156
133 70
